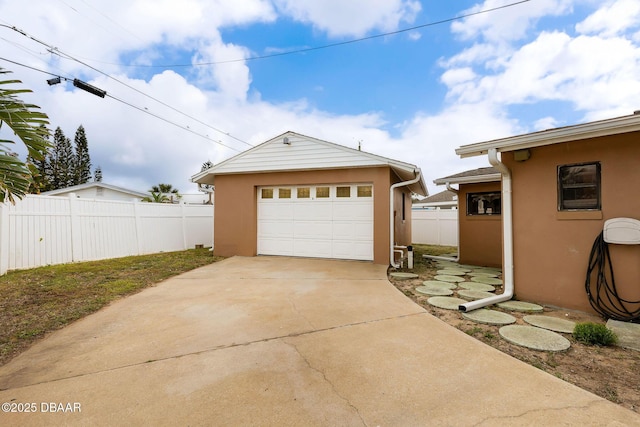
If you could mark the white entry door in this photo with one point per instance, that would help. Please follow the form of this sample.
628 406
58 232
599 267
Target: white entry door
320 221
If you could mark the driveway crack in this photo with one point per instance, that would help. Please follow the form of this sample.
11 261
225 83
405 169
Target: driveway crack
324 377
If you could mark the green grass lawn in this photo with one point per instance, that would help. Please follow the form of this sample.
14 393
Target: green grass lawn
34 302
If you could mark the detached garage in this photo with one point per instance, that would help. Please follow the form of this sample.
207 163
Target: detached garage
300 196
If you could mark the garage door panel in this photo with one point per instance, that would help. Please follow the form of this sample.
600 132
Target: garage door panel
321 227
273 210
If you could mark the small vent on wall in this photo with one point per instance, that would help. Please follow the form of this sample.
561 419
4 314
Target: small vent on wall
286 141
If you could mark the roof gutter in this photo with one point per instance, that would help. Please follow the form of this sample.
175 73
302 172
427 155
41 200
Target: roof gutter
392 224
507 233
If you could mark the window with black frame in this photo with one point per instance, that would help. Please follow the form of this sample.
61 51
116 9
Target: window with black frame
579 187
485 203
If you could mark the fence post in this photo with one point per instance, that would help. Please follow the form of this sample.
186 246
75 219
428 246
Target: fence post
4 238
76 229
138 222
184 225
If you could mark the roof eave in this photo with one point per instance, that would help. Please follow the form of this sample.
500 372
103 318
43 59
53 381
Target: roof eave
478 179
596 129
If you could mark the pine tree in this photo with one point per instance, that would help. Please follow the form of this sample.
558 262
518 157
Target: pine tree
39 166
82 164
97 174
60 167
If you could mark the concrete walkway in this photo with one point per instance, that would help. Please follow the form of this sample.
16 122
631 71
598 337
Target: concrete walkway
281 341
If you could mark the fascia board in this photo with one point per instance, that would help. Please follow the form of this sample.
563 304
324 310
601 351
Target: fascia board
469 179
608 127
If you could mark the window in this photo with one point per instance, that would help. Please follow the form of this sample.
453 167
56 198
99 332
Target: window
364 191
303 193
404 208
579 187
267 193
486 203
284 193
322 192
343 191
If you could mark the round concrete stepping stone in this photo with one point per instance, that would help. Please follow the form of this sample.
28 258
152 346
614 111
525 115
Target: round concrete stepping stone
448 303
490 317
401 275
452 272
487 280
473 286
551 323
482 274
433 290
445 278
534 338
445 285
521 306
471 295
453 267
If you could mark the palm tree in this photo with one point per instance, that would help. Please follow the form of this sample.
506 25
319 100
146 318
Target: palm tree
29 125
156 197
168 191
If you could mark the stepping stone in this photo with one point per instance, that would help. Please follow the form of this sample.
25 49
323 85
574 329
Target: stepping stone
451 272
400 275
534 338
473 286
482 274
551 323
453 267
445 285
490 317
520 306
471 295
445 278
487 280
448 303
628 333
433 290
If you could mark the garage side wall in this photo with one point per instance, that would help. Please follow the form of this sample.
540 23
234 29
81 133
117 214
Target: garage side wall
480 235
551 248
236 222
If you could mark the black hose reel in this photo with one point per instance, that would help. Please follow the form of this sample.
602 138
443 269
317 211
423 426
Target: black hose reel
600 282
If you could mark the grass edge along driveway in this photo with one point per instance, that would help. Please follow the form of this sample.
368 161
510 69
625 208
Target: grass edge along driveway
41 300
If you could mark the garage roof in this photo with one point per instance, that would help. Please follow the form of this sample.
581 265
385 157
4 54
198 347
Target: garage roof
292 151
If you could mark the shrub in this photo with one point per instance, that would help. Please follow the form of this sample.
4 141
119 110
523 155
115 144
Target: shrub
594 334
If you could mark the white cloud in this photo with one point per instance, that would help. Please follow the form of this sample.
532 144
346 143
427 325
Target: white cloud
351 18
612 19
508 24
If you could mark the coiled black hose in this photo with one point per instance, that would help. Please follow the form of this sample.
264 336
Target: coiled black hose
601 286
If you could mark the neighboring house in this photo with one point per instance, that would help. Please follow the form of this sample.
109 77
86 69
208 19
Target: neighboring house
98 190
300 196
479 215
197 198
559 186
443 200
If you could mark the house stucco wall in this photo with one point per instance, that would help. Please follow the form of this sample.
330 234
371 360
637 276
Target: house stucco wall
236 222
551 248
480 241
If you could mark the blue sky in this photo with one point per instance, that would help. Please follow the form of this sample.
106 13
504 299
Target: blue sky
413 96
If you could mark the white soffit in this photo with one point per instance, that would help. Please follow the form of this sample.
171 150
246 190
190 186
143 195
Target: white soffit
618 125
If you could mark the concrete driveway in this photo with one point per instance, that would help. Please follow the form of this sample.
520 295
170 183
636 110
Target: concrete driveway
282 341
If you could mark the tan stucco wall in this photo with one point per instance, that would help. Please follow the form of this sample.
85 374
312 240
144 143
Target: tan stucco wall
236 222
551 251
480 236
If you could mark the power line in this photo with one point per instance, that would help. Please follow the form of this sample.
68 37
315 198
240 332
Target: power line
82 85
327 46
56 51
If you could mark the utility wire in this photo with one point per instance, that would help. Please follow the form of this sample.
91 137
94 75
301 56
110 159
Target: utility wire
327 46
144 110
56 51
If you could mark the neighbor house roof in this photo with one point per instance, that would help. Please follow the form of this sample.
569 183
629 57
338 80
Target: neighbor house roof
73 188
473 176
617 125
441 197
292 151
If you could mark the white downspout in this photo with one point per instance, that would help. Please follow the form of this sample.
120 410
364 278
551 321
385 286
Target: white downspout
392 230
507 238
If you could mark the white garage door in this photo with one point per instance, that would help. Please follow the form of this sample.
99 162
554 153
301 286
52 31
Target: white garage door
321 221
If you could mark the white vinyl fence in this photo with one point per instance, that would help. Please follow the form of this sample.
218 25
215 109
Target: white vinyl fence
44 230
435 227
